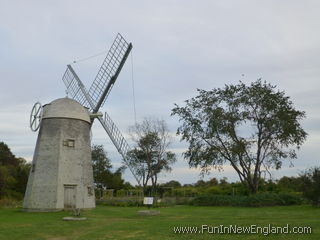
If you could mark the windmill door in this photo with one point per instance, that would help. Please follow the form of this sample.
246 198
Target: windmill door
69 196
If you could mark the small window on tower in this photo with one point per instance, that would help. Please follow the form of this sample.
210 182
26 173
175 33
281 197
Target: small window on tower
68 143
90 191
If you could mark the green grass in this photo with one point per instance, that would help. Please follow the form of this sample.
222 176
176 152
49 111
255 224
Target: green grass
124 223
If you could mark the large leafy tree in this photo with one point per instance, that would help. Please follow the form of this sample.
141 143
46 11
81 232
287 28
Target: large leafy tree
253 128
150 155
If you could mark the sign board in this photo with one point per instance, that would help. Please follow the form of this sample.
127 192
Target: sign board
148 200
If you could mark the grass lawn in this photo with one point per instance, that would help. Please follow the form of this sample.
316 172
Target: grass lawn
124 223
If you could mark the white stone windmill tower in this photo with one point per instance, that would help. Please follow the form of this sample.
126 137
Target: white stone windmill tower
61 175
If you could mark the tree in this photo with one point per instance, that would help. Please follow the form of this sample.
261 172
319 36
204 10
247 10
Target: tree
22 175
6 156
101 165
311 185
253 128
200 183
150 155
102 170
14 173
172 184
295 184
213 182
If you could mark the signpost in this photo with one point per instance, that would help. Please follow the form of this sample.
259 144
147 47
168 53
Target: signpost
148 201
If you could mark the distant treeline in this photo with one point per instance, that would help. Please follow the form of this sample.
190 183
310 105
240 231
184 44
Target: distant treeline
14 173
306 185
223 187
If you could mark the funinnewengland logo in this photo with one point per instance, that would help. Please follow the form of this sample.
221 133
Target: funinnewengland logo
236 229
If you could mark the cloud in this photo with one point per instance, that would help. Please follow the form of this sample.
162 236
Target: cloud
178 46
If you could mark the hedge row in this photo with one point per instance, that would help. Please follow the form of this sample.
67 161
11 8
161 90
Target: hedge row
257 200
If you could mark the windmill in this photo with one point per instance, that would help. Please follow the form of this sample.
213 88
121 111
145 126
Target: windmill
95 97
61 175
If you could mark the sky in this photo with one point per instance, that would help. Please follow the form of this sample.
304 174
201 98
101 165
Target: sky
178 46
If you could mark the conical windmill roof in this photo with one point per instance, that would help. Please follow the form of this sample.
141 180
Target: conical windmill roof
65 108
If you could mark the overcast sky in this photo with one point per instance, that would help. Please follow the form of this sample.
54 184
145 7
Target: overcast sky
178 46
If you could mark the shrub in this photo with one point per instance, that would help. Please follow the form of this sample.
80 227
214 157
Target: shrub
138 202
214 190
311 185
272 199
214 200
182 192
256 200
122 202
9 203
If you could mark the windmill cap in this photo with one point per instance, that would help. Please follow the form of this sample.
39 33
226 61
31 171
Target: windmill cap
65 108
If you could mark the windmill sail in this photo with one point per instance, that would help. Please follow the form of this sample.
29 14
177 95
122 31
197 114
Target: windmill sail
76 89
119 142
109 71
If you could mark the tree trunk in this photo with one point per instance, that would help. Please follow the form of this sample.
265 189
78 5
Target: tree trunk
252 185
